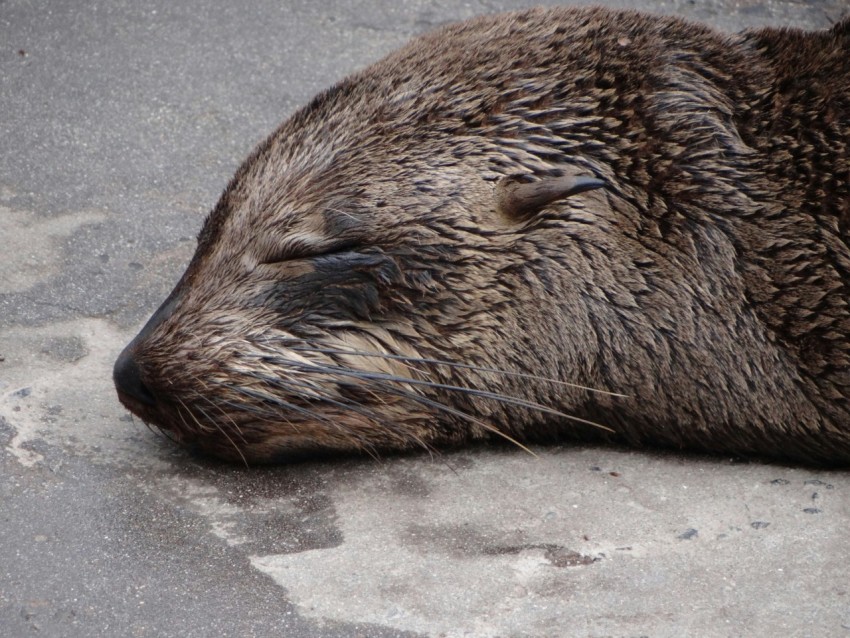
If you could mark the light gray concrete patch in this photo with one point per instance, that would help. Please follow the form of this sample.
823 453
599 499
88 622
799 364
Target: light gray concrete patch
120 124
559 545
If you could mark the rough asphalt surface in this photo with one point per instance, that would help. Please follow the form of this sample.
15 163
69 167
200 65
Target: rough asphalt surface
120 123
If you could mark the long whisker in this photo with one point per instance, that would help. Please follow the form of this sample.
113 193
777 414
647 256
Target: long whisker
200 428
224 432
168 434
344 405
383 383
310 414
156 430
464 366
353 406
263 416
216 406
412 396
205 397
441 386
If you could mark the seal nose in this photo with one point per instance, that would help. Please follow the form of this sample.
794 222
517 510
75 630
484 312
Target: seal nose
128 379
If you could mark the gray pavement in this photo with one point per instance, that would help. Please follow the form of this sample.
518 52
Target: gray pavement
120 123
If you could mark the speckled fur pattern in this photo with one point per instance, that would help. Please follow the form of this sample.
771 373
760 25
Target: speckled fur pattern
707 281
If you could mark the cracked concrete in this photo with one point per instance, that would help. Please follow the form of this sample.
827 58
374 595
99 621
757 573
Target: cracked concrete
121 124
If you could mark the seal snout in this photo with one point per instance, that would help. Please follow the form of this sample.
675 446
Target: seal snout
127 374
128 380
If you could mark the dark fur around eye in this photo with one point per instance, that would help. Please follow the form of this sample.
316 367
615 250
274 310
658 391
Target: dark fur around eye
342 285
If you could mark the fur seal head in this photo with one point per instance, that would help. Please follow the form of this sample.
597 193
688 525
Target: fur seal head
496 228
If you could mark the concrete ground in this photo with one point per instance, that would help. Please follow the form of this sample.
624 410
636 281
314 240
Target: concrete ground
120 123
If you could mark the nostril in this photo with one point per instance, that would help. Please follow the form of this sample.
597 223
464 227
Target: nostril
128 379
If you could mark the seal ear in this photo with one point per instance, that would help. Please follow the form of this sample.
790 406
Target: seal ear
518 198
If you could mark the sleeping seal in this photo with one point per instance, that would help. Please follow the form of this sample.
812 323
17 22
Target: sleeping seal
557 223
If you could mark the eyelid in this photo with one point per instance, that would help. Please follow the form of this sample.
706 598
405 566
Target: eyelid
293 249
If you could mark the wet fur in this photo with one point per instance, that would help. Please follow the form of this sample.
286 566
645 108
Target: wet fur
707 281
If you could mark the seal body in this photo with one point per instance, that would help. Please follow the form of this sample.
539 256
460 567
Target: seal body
383 272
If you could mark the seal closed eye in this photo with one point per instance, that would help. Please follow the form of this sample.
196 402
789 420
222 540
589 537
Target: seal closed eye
553 224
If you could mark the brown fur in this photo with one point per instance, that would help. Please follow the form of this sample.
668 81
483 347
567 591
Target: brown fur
707 281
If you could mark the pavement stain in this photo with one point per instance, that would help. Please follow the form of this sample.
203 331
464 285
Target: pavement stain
557 555
461 540
30 244
467 541
65 349
261 511
406 481
46 395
